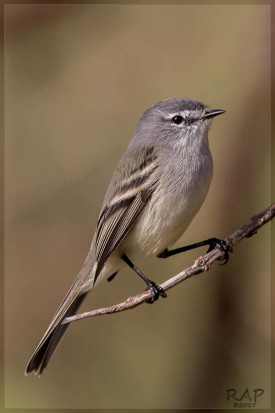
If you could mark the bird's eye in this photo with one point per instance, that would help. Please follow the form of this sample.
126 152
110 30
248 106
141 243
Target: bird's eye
177 119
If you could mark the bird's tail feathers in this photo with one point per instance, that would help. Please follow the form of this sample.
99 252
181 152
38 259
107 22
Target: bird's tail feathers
68 307
50 341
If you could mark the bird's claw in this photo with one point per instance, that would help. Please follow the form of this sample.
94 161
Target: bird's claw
156 291
223 245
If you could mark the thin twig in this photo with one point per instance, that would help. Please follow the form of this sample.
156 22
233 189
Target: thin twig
201 264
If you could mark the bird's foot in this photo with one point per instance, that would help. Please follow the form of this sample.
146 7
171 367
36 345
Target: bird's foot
223 245
156 291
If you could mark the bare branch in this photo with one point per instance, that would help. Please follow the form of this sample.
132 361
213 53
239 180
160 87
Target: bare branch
202 264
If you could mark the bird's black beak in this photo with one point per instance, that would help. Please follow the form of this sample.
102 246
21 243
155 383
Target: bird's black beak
212 113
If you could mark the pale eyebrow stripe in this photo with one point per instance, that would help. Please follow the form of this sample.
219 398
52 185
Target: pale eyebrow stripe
182 113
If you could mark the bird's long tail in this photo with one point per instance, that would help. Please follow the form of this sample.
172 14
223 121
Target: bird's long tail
69 306
51 339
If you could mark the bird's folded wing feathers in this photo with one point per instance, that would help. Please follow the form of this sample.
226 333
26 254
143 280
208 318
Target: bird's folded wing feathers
112 230
123 207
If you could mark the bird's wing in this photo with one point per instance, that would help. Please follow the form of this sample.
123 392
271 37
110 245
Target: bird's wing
122 209
114 224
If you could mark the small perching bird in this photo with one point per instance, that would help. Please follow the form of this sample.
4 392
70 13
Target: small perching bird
157 188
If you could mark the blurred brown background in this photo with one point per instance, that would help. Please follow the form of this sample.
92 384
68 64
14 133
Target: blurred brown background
77 79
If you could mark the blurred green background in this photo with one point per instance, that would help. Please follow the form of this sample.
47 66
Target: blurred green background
77 79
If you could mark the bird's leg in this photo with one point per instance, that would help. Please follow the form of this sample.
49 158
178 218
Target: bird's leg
212 242
155 289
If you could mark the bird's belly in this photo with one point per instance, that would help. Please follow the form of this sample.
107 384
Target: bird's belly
161 223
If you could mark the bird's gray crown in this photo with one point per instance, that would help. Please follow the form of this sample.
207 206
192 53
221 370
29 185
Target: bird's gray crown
179 104
175 105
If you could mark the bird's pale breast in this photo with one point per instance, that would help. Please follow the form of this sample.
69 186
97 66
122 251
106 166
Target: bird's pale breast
171 209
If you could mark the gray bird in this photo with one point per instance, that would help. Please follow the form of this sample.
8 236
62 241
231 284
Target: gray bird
157 188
